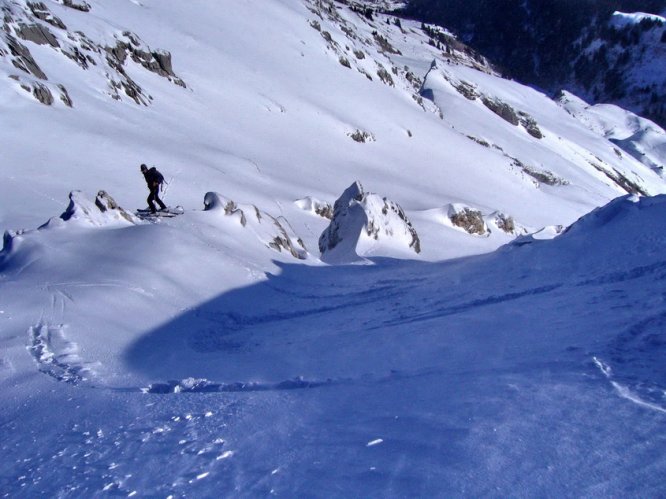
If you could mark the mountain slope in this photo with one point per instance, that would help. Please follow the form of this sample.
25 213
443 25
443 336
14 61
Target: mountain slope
267 126
385 379
218 353
604 51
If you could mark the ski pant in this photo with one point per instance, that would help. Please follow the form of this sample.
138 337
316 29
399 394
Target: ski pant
155 196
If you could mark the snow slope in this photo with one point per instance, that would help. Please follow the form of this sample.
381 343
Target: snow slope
215 353
267 115
641 138
536 369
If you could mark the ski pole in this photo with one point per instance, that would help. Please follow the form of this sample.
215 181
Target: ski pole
164 191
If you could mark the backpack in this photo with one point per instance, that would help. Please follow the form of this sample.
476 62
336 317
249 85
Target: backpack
157 176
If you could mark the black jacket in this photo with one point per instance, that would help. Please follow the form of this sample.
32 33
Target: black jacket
153 177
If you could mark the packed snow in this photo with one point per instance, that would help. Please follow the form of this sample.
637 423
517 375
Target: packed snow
392 272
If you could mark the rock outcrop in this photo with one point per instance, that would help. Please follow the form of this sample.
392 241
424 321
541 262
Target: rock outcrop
474 222
315 206
360 215
468 219
274 232
24 24
100 212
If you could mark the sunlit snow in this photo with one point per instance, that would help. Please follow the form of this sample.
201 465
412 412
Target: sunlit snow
518 352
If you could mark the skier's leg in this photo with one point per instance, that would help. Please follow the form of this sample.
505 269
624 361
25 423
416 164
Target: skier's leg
151 205
159 201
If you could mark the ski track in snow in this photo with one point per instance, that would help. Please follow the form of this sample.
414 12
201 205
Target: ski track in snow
55 355
59 358
626 392
56 288
248 376
464 307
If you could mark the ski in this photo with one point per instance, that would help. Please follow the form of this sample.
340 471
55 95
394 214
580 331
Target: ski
146 214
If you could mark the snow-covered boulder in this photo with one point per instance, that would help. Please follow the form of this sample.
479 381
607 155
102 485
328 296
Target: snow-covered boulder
101 212
22 246
274 232
505 223
475 222
315 206
359 220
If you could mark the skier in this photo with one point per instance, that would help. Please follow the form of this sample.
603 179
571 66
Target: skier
154 180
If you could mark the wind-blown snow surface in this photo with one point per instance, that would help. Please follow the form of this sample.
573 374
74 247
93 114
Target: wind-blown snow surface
197 356
534 370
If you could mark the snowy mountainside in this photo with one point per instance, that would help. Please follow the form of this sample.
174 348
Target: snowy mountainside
606 51
273 126
223 342
641 138
624 63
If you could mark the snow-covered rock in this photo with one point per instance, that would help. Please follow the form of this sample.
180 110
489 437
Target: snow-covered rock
368 219
315 206
504 223
100 212
467 219
30 24
274 232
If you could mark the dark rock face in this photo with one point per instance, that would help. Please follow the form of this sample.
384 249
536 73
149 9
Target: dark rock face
501 109
505 223
362 136
506 112
530 125
42 93
466 90
33 22
130 46
163 59
77 5
620 179
540 176
64 96
38 34
41 11
22 58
